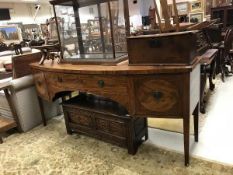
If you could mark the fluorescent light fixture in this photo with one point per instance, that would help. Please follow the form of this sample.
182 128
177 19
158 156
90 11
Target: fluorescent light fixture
34 1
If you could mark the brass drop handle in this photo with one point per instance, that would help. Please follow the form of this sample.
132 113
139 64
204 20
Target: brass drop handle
101 83
157 95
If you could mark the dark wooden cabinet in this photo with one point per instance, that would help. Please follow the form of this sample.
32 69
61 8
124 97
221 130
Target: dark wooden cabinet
163 49
106 120
225 14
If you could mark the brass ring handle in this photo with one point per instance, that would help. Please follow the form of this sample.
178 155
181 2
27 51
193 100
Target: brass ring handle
101 83
157 95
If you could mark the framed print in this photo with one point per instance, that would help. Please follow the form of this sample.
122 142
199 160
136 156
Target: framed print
183 8
196 6
10 34
196 17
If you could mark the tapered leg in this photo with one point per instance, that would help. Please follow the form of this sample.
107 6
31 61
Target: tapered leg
211 75
186 129
146 135
68 128
42 111
202 90
196 122
1 141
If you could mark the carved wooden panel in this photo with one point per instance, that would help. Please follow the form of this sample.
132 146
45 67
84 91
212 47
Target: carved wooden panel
82 119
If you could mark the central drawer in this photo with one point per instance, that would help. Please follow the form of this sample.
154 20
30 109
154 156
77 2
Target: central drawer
97 84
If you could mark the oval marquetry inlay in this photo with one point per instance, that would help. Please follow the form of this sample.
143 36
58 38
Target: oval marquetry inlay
157 95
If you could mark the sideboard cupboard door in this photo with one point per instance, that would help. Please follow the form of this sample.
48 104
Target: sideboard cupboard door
41 86
160 95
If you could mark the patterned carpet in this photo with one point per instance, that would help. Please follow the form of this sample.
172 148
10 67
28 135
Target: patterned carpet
49 150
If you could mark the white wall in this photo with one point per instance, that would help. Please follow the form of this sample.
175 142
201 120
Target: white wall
24 13
141 8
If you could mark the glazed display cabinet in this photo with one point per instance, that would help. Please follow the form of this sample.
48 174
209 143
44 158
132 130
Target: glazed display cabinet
92 31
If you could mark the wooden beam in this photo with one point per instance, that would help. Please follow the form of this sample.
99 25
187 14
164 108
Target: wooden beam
158 16
176 16
166 16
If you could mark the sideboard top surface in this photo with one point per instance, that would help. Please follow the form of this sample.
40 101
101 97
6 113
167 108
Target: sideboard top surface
120 69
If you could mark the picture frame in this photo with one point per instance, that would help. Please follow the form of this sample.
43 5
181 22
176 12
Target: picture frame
10 34
196 6
182 8
196 17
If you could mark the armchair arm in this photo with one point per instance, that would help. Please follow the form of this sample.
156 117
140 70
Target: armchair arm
5 85
22 83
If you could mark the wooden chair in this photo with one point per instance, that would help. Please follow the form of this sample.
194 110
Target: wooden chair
214 38
227 51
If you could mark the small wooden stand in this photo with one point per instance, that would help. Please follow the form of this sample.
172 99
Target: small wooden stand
7 123
105 120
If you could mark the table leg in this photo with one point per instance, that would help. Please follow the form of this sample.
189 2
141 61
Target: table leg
202 90
146 135
211 75
42 111
12 108
196 122
1 141
186 129
222 65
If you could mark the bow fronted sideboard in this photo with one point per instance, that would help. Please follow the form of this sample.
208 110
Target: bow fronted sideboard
145 91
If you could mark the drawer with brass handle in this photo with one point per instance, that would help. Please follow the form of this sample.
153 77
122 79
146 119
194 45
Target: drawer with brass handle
158 96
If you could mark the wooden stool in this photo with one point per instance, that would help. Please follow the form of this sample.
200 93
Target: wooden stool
5 125
105 120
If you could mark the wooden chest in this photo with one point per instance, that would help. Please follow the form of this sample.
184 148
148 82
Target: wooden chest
106 120
166 49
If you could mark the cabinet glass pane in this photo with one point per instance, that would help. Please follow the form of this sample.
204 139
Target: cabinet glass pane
67 30
92 30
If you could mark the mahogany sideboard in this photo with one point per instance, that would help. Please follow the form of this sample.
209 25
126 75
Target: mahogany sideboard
145 91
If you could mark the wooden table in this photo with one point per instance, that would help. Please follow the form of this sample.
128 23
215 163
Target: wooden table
145 91
7 123
208 67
